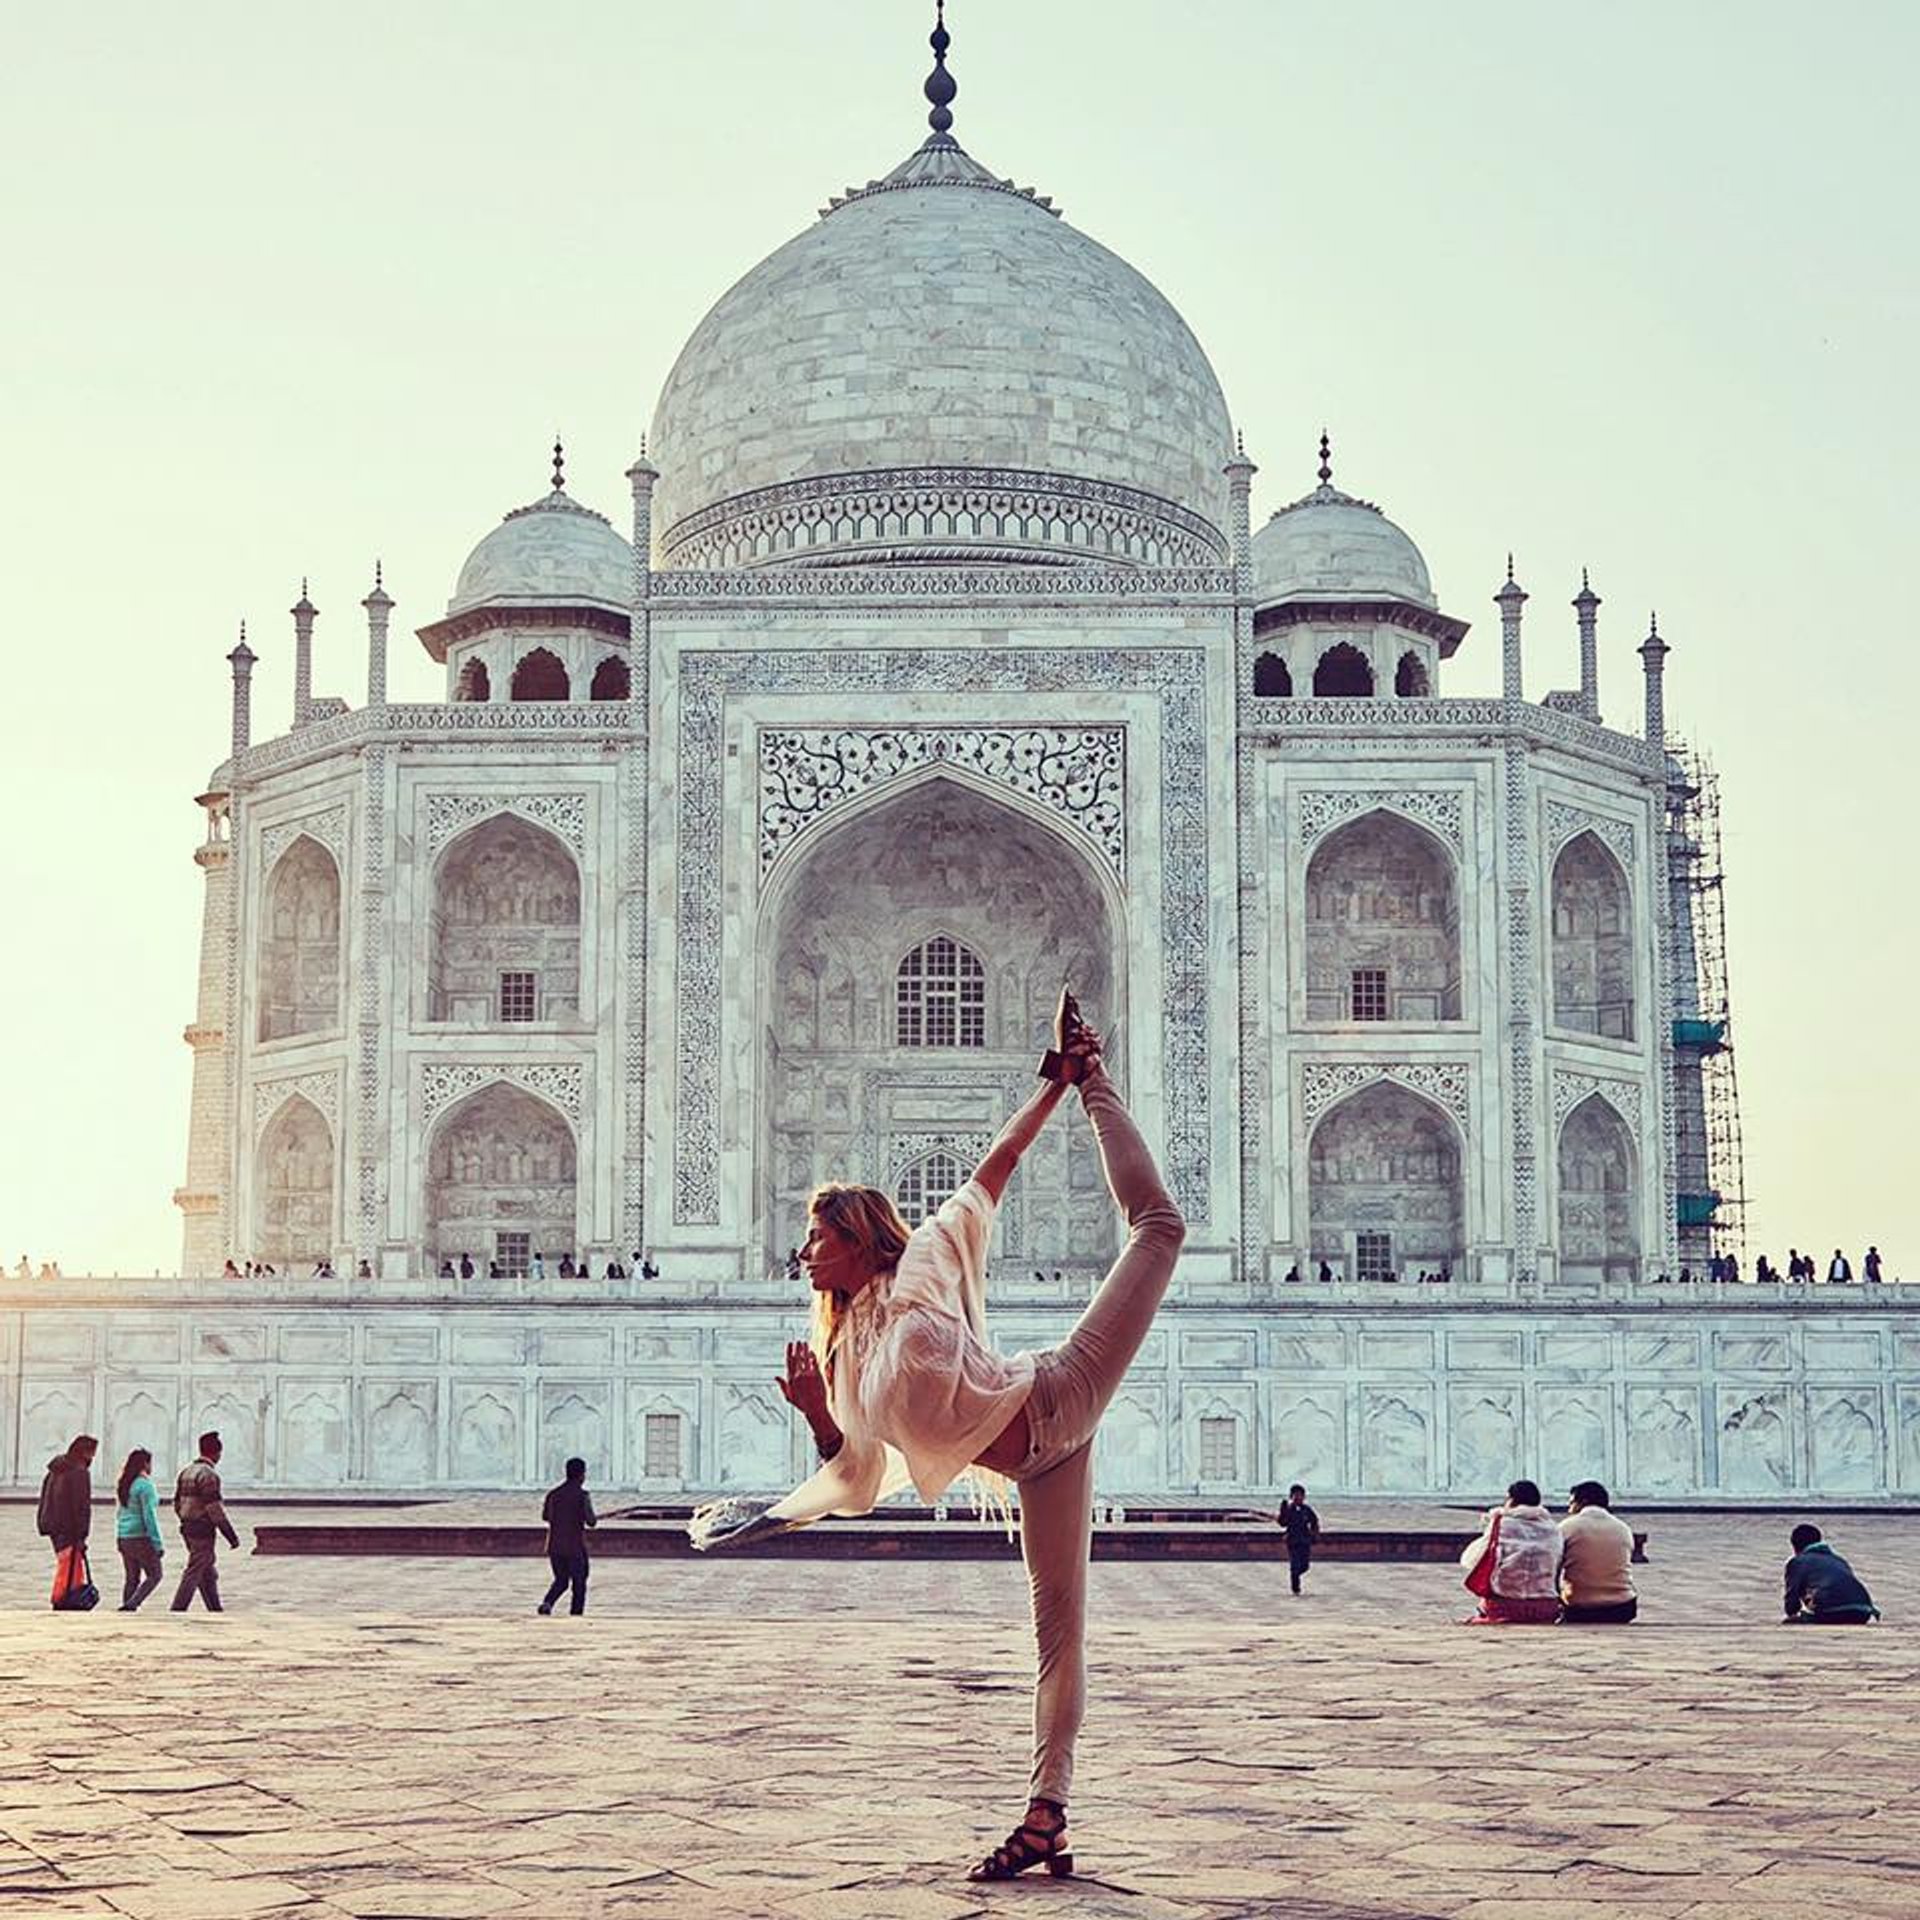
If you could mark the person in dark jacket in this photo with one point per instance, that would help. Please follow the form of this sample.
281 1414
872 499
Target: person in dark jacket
200 1506
66 1501
1303 1529
66 1494
1822 1590
568 1512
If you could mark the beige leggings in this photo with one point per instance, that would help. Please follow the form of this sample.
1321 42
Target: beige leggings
1072 1386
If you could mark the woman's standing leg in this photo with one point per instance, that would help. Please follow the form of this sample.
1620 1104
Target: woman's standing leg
151 1574
1056 1534
130 1571
1091 1362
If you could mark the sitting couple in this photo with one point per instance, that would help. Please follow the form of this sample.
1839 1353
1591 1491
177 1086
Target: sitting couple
1528 1570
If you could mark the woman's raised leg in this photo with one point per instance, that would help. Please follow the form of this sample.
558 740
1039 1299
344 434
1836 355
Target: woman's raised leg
1094 1357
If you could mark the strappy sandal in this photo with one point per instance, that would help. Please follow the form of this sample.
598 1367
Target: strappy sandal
1030 1846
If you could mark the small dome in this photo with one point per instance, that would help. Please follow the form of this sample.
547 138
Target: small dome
936 328
1329 546
554 552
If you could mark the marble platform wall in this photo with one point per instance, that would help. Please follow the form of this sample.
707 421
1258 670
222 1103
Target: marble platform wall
411 1392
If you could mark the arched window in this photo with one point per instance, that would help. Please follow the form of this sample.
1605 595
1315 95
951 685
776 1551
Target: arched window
293 1187
1383 924
1383 1186
1410 680
1343 670
927 1183
1592 941
611 681
506 927
1271 678
940 997
473 683
1599 1204
501 1182
540 676
300 944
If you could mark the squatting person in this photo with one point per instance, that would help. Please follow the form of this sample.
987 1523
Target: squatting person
899 1384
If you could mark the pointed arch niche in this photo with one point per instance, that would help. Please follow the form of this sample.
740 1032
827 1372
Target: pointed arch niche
502 1181
540 675
1384 1189
1592 941
1599 1188
299 981
293 1187
1383 924
927 857
505 927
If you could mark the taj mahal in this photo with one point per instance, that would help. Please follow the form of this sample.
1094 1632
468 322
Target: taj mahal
947 643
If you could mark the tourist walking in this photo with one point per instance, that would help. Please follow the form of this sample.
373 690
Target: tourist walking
568 1512
901 1385
66 1514
1596 1561
1821 1589
203 1519
136 1529
1514 1565
1841 1271
1870 1266
1303 1529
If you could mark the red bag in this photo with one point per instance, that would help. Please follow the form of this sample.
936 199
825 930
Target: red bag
1480 1579
73 1588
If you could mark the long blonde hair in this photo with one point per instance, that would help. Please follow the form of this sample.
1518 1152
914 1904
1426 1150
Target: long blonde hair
872 1222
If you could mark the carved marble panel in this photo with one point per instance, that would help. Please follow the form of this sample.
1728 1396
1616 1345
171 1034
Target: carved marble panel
313 1432
328 828
233 1410
1484 1439
1396 1439
807 774
1565 820
755 1439
486 1446
1846 1439
1325 1082
402 1433
1663 1439
558 1081
1756 1440
1439 810
449 815
1130 1454
1574 1438
1309 1437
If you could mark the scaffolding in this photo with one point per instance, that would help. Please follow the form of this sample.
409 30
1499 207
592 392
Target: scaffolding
1709 1174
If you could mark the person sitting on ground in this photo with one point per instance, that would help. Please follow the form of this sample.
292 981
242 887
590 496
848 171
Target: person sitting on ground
1596 1560
229 1271
566 1266
1822 1590
1293 1275
446 1269
1325 1275
1514 1565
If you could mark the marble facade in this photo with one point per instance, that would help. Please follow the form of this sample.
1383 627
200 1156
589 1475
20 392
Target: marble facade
749 851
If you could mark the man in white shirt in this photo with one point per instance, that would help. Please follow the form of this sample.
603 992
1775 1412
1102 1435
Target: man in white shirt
1596 1559
1841 1271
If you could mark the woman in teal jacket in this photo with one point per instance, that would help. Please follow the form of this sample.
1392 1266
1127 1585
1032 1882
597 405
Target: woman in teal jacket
136 1528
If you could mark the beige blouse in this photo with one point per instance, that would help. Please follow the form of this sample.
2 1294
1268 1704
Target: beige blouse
916 1390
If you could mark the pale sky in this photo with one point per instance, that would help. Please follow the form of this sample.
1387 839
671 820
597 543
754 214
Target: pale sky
1633 287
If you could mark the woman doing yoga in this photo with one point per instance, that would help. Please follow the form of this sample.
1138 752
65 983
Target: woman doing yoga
900 1385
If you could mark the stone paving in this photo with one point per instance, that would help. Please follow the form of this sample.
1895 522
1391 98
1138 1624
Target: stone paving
832 1741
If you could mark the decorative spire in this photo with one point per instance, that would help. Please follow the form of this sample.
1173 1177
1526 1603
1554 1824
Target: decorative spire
1326 459
559 466
941 86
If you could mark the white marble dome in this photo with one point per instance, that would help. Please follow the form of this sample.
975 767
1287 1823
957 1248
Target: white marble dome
555 553
938 319
1330 546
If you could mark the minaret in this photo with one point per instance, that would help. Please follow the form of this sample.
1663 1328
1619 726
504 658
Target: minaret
303 617
1240 471
1586 603
1653 659
241 660
379 606
1510 599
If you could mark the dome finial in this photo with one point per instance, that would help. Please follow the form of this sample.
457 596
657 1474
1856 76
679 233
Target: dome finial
941 86
559 465
1326 459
